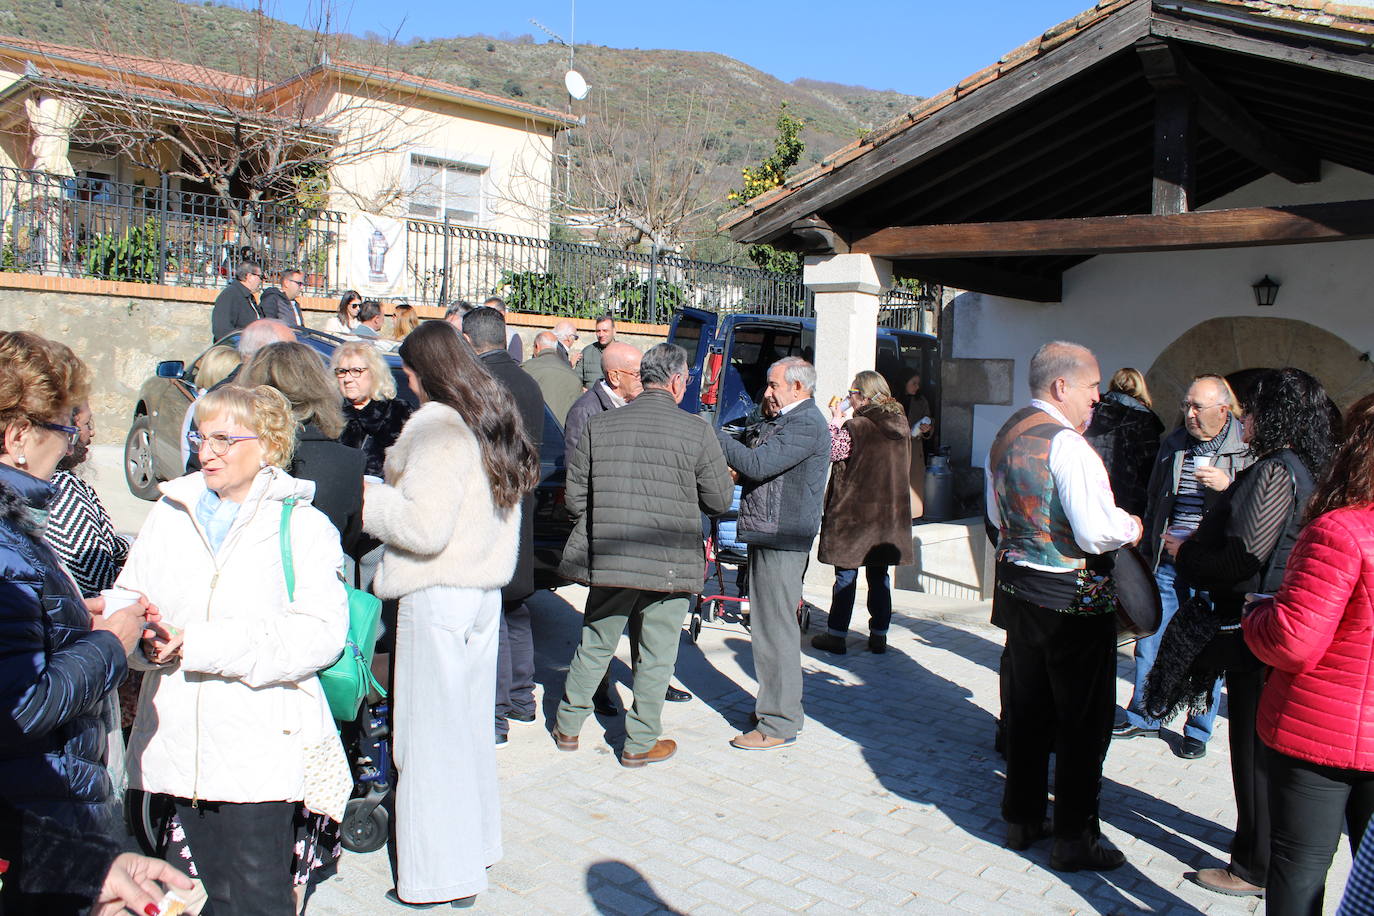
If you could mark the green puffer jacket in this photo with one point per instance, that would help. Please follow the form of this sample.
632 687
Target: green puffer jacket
638 483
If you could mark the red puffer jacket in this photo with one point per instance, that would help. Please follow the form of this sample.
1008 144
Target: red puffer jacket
1318 634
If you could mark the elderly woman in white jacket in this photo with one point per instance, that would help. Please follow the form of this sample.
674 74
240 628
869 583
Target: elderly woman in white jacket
449 516
232 720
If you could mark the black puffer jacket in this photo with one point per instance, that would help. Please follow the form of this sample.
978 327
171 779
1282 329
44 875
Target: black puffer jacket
783 475
638 482
1125 433
55 673
374 428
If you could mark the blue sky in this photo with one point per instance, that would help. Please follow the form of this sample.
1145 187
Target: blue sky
914 46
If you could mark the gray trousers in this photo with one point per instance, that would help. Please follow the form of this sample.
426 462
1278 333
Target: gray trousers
775 590
514 664
608 612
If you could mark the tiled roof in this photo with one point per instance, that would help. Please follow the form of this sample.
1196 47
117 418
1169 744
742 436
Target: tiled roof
450 89
1317 12
175 71
55 60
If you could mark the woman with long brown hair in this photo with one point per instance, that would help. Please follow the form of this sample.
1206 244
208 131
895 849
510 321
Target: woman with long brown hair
1317 637
867 518
449 516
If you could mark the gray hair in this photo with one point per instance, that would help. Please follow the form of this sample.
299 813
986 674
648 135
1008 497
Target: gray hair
459 308
245 270
545 340
260 333
1055 360
661 363
797 371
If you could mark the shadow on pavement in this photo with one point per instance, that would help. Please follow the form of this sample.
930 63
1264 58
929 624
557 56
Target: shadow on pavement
927 742
608 883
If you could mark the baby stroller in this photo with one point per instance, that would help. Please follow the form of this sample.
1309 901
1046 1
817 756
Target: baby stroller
725 553
367 745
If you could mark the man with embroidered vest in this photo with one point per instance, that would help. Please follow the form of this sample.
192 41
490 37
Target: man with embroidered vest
1196 463
1050 498
783 477
638 482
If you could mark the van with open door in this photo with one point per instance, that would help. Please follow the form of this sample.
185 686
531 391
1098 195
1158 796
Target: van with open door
730 356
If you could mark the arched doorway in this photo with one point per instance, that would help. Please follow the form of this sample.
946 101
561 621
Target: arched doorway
1230 345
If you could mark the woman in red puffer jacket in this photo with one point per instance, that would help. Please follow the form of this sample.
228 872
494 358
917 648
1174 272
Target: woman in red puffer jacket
1317 711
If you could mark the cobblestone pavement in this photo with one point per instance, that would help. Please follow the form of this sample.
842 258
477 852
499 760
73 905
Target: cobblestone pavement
889 801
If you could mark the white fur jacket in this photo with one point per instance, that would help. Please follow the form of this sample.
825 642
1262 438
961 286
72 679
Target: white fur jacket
435 512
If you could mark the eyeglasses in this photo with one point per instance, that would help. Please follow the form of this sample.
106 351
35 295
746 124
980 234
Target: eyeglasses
354 372
1189 407
71 432
219 443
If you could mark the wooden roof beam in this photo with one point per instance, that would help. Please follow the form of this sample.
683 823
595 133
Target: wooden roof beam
1197 230
1223 116
985 278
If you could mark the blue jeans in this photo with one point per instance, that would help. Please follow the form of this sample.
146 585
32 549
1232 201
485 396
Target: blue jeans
842 600
1172 593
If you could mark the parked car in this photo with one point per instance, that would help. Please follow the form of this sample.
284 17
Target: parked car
730 356
152 450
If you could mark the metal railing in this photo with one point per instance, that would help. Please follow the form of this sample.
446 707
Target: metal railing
448 263
93 227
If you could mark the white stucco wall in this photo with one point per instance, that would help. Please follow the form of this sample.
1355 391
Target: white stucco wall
1128 308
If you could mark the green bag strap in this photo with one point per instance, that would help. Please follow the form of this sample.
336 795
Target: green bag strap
287 566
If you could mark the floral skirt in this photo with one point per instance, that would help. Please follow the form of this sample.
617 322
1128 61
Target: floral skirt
318 847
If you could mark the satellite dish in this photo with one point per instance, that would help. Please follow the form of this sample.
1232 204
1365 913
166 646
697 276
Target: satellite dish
577 86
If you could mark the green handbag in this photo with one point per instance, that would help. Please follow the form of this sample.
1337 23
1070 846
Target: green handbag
346 682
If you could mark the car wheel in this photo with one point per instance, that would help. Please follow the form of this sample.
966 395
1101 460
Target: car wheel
138 459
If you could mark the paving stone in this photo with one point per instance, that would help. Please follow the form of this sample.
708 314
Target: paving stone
889 803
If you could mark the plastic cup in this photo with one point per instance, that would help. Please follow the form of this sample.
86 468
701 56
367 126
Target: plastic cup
118 599
1202 461
372 478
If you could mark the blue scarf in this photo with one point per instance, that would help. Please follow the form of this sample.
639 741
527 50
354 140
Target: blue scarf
216 516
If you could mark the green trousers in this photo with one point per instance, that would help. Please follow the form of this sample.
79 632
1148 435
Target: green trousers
659 617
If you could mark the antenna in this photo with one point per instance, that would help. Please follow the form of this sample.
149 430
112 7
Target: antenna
572 80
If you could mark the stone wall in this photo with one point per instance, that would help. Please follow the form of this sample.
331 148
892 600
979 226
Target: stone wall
122 331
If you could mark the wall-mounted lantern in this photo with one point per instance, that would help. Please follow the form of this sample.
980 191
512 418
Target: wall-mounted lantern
1266 291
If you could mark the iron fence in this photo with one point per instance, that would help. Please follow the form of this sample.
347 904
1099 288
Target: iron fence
92 227
448 263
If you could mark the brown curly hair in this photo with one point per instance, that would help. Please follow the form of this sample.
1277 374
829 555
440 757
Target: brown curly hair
1349 478
40 379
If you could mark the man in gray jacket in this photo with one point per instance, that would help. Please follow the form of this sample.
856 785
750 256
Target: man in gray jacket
780 512
638 482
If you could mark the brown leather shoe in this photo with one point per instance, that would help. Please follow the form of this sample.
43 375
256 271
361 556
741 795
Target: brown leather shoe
564 742
663 749
1223 881
758 741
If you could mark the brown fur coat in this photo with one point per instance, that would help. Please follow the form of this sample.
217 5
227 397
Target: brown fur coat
868 503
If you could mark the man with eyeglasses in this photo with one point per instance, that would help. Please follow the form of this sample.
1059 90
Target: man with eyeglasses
1196 463
236 306
618 386
279 301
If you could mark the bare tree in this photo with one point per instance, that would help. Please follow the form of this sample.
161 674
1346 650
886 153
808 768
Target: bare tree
271 128
641 175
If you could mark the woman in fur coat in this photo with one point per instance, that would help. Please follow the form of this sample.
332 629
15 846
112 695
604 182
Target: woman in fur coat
449 517
867 519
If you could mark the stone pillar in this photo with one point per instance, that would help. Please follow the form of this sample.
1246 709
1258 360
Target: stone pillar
847 287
